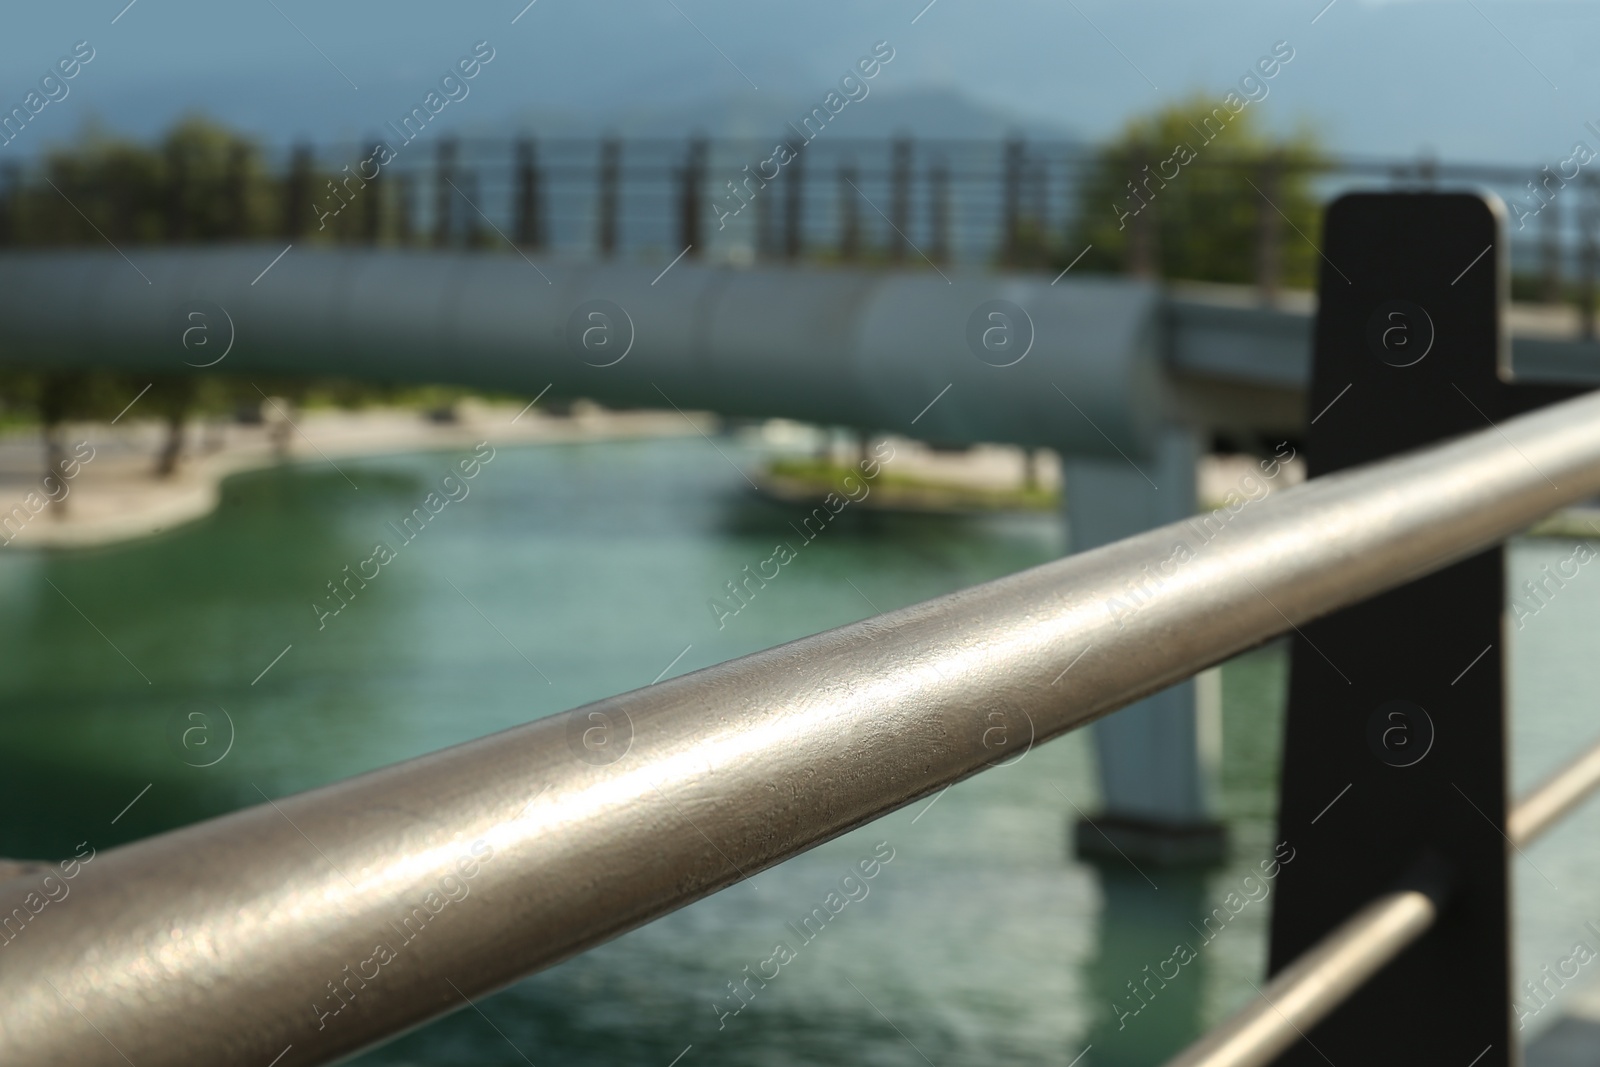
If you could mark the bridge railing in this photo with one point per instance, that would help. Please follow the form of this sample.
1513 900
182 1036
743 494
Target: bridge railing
231 940
1321 979
1017 203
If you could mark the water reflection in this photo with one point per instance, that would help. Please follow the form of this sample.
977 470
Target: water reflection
983 942
110 650
1148 973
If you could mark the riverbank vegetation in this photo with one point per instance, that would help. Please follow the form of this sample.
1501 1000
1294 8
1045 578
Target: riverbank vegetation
1178 196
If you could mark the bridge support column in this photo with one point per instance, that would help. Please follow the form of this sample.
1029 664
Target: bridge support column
1157 758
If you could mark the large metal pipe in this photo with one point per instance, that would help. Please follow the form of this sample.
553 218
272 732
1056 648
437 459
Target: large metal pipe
1307 991
221 942
1006 358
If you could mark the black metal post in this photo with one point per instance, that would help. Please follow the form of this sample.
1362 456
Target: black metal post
1037 220
794 184
939 212
473 232
610 182
764 242
693 181
1550 250
1394 770
529 211
900 199
1011 201
10 203
374 194
849 213
405 208
444 194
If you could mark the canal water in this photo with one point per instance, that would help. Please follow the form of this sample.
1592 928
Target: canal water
569 573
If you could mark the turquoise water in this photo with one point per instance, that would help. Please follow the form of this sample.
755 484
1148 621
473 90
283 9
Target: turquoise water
573 572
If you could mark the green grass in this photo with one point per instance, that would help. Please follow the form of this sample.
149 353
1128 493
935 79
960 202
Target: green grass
820 476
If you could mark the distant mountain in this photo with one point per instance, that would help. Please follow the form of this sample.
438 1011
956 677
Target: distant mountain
921 112
928 112
1490 80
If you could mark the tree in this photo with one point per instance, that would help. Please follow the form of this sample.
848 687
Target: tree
1197 182
201 183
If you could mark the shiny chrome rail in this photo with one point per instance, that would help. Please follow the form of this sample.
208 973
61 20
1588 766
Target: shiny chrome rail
215 943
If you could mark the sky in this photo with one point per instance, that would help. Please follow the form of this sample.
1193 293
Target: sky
1506 81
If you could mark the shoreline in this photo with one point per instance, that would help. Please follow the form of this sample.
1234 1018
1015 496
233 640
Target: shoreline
115 496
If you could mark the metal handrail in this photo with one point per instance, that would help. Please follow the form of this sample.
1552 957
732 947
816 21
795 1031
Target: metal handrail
1318 981
1327 973
1553 799
229 941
